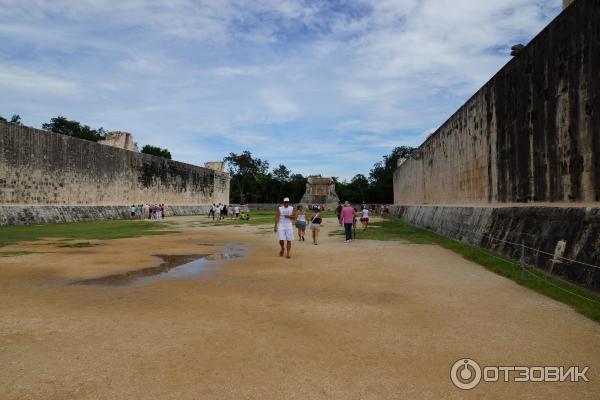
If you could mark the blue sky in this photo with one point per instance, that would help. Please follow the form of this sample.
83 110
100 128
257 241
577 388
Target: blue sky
321 86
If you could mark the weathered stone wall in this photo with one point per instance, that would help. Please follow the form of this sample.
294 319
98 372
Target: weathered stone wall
36 214
263 206
531 134
569 232
40 168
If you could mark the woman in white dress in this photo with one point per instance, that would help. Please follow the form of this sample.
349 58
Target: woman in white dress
284 226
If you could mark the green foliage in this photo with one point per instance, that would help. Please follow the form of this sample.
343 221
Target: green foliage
156 151
253 183
381 177
14 253
80 230
245 170
15 119
77 245
281 173
256 218
73 128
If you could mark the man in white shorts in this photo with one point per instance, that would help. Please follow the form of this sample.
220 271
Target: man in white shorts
284 226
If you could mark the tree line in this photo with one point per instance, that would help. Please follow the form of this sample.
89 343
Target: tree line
64 126
252 180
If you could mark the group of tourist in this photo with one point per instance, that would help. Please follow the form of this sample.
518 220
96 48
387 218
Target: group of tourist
377 209
320 207
346 215
286 215
148 211
313 221
221 212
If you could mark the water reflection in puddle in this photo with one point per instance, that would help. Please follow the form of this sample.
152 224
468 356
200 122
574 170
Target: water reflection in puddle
173 266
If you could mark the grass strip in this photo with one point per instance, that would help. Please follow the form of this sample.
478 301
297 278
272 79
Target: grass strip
14 253
256 218
78 245
100 230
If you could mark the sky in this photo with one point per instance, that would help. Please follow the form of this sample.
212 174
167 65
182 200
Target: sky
323 87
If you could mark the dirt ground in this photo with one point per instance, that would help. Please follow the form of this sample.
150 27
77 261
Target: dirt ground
366 320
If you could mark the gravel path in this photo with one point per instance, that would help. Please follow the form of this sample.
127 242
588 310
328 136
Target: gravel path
366 320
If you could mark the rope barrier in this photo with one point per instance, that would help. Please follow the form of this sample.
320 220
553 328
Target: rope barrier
527 270
563 289
532 248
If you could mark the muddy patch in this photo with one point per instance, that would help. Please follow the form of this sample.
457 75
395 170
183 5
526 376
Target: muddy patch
173 266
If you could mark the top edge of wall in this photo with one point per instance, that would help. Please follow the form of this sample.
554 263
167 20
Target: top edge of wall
538 37
116 149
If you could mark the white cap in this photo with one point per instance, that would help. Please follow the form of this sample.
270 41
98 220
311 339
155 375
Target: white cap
286 200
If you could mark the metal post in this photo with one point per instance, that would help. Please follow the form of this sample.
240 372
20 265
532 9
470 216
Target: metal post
522 261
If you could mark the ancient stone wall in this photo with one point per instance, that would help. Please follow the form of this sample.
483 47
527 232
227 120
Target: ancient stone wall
40 168
531 134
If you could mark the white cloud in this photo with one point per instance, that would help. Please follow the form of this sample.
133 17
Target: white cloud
34 83
185 72
279 105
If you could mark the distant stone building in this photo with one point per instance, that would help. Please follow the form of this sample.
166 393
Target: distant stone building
122 140
320 191
218 166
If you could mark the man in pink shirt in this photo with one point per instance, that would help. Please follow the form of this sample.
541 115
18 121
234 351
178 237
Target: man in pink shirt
347 218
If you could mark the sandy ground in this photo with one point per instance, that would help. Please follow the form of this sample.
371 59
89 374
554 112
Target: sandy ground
367 320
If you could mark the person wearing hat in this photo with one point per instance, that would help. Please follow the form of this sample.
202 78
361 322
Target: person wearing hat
284 226
347 218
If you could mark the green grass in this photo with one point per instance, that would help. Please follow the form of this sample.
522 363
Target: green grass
14 253
256 218
565 292
101 230
78 245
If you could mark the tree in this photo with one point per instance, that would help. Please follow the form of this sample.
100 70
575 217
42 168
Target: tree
73 128
281 178
342 188
156 151
381 177
281 173
244 169
15 120
360 188
296 187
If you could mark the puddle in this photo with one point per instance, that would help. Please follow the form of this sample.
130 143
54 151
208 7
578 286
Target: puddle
178 266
